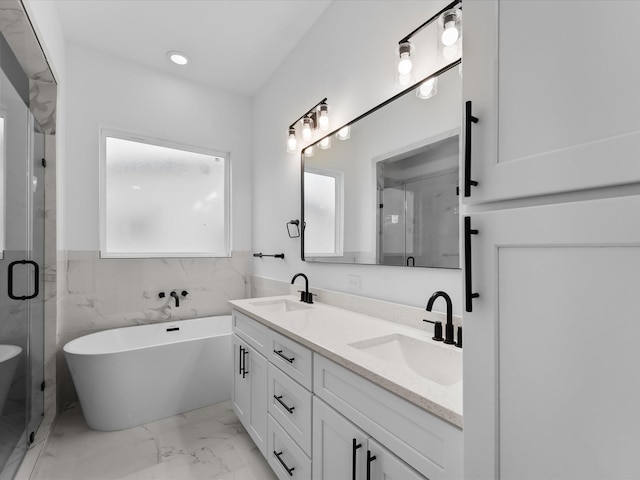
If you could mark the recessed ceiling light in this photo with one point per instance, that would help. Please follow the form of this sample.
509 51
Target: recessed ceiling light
178 58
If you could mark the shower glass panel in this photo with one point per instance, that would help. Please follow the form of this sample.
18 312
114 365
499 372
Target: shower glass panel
21 317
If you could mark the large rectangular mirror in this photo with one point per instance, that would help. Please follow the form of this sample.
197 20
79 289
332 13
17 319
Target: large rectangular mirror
386 194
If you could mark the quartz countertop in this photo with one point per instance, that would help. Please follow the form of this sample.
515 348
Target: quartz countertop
329 331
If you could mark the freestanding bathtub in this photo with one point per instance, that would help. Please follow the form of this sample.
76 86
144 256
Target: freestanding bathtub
9 358
129 376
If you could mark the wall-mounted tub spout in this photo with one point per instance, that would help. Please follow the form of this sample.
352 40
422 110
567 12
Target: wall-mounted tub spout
175 295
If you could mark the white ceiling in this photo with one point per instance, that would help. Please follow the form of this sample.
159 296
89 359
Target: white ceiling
232 44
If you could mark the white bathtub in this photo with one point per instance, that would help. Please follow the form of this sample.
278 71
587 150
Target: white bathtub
9 358
129 376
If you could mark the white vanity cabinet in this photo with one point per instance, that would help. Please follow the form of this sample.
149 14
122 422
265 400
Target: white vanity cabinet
249 395
556 100
405 437
343 451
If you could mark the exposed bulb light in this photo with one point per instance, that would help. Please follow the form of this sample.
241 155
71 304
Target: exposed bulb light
292 142
323 118
344 133
451 32
427 89
178 58
325 143
307 134
405 63
308 152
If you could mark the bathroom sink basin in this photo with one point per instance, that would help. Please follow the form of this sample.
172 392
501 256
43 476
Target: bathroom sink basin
438 363
280 306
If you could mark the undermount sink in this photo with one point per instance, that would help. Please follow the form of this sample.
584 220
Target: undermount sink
280 305
438 363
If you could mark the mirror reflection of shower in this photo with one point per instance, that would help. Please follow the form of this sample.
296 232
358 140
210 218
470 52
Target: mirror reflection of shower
418 206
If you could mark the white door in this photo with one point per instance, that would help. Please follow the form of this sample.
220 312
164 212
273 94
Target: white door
550 382
386 466
554 88
339 447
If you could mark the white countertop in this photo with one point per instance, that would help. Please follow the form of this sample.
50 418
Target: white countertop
329 331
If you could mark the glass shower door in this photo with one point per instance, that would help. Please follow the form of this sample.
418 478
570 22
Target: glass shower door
21 310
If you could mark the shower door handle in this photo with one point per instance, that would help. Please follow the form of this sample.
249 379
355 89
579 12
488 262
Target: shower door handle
36 277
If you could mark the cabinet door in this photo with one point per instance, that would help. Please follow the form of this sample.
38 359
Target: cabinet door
550 388
241 395
250 391
339 447
553 85
386 466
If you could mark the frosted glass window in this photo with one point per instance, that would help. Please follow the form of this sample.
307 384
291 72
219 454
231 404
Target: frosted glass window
162 200
322 214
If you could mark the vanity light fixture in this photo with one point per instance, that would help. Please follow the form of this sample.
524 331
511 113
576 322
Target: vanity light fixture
317 117
448 19
178 58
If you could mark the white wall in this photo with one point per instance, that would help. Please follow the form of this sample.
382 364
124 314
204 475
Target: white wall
348 56
104 90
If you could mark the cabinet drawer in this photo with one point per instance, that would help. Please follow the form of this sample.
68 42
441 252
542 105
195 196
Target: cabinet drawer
292 358
429 444
290 405
251 331
286 458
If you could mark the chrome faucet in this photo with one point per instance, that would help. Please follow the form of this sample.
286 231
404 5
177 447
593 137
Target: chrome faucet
305 295
448 333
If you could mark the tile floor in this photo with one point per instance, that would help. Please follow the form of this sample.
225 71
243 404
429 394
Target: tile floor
208 443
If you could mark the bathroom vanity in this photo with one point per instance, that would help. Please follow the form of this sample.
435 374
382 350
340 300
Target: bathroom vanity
327 393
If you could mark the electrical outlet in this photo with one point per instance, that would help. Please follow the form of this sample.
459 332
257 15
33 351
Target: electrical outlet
353 283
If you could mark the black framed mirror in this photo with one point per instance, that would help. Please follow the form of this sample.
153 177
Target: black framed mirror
382 190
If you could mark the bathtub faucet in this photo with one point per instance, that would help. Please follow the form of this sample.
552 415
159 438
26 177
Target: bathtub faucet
305 295
175 295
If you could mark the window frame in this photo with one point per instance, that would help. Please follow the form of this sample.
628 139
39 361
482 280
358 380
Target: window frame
104 133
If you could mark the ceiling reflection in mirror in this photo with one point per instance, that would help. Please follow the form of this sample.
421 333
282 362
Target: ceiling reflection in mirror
387 193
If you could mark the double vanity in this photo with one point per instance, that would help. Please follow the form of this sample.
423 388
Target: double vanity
327 393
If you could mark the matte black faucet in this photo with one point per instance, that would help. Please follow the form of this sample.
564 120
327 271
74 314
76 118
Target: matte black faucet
175 295
448 334
305 296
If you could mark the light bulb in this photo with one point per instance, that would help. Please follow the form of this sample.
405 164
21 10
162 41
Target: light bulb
404 63
404 80
306 129
325 143
292 142
308 152
344 133
450 34
451 52
323 119
427 89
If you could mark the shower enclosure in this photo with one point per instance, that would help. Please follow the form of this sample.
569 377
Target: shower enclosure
21 260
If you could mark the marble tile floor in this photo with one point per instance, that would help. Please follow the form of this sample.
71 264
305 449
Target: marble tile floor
208 443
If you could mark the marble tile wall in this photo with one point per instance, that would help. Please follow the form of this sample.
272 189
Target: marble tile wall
98 294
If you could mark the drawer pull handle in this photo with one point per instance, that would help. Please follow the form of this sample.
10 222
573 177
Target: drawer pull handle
244 363
356 446
286 407
281 355
284 465
370 458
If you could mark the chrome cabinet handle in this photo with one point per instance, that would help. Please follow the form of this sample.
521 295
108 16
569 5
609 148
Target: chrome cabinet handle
286 407
281 355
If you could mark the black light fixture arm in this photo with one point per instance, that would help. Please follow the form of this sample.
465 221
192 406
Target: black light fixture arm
310 111
431 20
